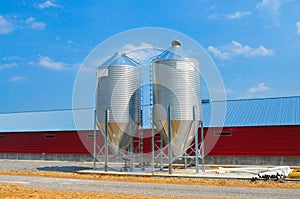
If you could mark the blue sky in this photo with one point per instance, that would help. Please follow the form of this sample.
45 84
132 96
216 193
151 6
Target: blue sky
255 44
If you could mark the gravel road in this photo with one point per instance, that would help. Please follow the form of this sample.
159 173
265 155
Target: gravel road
39 165
146 189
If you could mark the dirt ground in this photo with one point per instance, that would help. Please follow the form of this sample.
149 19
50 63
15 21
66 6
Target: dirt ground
23 191
186 181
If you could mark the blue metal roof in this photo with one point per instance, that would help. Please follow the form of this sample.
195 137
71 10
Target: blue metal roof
60 120
256 112
243 112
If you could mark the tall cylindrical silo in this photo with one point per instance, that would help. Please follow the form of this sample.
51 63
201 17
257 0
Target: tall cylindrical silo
176 80
118 82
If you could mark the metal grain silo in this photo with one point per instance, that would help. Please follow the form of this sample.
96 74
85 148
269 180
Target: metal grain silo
118 92
176 83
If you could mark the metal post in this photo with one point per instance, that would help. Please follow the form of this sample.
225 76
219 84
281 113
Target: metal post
202 146
170 140
141 140
161 153
131 143
152 140
196 139
95 120
106 141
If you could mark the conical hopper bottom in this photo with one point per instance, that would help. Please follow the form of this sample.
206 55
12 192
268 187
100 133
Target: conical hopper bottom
183 134
118 135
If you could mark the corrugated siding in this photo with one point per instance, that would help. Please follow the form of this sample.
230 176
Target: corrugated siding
46 121
258 112
244 112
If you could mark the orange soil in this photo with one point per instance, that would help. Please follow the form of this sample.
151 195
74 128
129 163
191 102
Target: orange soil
185 181
22 191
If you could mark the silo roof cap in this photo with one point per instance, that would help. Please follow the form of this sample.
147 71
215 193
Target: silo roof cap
173 52
119 59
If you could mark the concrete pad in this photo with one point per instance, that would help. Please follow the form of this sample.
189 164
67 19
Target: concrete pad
188 173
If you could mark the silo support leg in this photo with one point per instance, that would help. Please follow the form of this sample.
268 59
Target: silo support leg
106 141
170 140
196 140
131 144
152 141
95 143
202 146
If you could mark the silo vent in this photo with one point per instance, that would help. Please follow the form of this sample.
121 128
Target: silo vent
176 43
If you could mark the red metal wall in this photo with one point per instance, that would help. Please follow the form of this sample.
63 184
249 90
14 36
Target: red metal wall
257 141
57 142
67 142
244 141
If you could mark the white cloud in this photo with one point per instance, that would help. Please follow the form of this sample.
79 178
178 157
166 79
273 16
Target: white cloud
214 16
271 8
261 87
48 4
6 26
12 58
131 47
77 65
237 15
47 62
298 27
38 25
31 62
17 78
35 24
70 42
140 53
218 53
212 7
7 66
237 49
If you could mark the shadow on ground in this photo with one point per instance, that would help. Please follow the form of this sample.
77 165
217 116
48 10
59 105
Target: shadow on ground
63 168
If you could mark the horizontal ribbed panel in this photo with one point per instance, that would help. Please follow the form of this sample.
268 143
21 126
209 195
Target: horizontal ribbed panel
257 112
60 120
177 84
